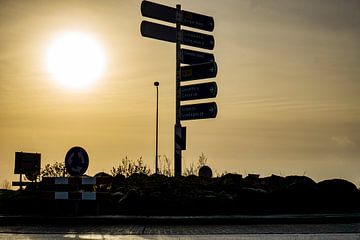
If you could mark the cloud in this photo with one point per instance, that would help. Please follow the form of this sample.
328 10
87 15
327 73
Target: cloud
343 141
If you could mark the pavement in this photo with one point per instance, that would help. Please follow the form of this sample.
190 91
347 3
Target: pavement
334 218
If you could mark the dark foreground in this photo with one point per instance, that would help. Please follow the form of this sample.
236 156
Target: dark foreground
231 194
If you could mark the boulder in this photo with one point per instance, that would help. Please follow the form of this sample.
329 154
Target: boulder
131 197
252 180
102 174
231 179
272 183
300 185
337 186
118 181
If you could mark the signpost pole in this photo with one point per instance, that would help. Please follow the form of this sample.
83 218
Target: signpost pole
157 128
177 132
202 65
21 186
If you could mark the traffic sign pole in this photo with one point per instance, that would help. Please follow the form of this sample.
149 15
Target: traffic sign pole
201 65
177 131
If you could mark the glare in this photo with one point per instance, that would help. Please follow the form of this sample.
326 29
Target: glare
75 60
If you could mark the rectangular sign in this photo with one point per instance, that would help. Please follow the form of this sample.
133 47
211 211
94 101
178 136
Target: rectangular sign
168 14
196 20
27 163
198 91
198 71
196 39
198 111
195 57
158 11
158 31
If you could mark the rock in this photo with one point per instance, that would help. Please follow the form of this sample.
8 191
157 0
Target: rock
272 183
298 179
227 196
131 197
337 186
231 179
118 182
300 185
117 195
102 174
137 178
252 180
253 191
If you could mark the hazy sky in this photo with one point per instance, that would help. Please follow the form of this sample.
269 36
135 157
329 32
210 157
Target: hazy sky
289 87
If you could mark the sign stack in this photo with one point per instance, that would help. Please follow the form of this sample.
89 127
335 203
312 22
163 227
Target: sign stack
190 64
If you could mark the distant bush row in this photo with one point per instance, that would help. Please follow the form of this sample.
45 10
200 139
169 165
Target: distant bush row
129 166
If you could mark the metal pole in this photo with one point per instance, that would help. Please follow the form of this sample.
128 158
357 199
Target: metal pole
21 186
177 132
156 84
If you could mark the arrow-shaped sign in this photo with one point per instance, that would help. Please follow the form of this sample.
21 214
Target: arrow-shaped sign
198 111
198 71
196 39
166 33
198 91
168 14
158 31
195 57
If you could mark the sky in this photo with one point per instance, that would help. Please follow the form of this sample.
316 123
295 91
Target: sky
288 87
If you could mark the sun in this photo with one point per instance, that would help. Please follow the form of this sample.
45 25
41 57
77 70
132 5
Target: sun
75 60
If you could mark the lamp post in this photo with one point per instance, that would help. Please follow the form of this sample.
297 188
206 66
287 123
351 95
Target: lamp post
156 84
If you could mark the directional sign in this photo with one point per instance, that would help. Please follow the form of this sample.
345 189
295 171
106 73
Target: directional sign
158 11
158 31
198 111
76 161
166 33
195 57
198 91
196 20
198 71
168 14
196 39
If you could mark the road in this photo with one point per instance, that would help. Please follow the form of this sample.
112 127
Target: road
234 231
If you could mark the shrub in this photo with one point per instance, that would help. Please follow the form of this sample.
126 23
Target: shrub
127 167
54 170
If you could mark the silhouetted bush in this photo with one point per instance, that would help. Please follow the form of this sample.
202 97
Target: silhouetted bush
54 170
128 167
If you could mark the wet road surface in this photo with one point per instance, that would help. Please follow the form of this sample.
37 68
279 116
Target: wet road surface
252 232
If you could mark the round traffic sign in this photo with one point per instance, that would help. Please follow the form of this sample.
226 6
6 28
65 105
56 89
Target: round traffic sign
205 171
76 161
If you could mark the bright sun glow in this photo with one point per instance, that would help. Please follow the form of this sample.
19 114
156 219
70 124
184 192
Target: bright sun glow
75 60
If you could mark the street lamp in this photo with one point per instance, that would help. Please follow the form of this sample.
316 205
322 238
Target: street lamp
156 84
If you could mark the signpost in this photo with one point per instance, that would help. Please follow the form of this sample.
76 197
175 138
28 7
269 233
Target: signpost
198 71
168 14
198 91
28 164
201 65
198 111
158 31
196 39
166 33
195 57
76 161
